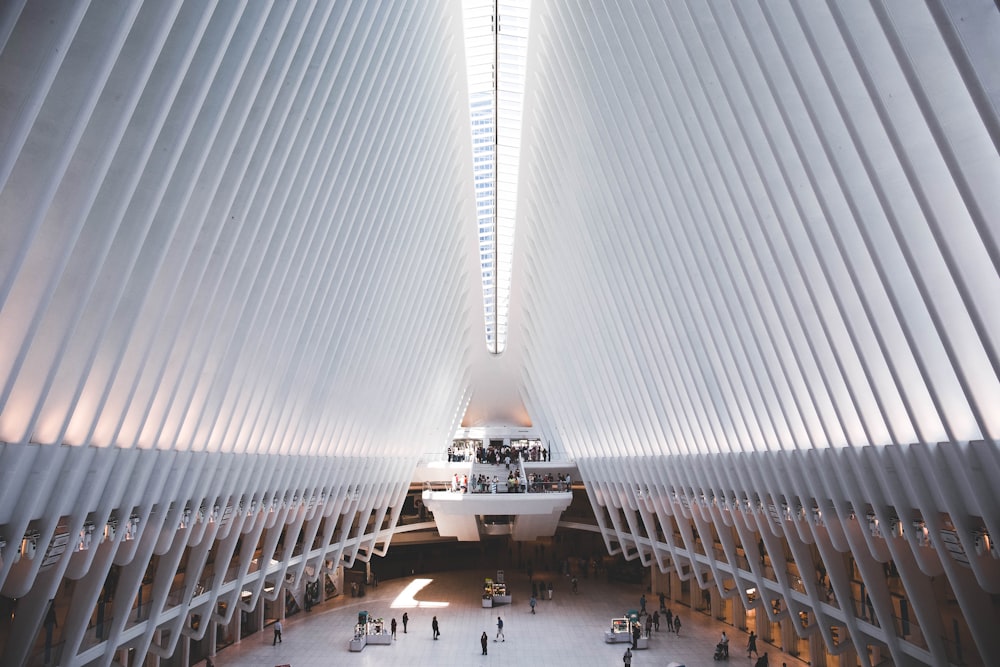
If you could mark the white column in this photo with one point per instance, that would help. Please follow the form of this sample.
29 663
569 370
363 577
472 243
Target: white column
213 635
153 660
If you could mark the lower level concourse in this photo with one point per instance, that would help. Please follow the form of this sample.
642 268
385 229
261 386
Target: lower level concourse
566 630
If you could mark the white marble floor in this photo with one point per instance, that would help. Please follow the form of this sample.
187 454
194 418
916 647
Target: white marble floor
566 631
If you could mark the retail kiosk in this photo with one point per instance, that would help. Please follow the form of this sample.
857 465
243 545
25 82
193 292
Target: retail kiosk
495 592
621 631
369 631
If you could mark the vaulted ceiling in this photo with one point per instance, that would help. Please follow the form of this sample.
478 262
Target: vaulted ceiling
250 227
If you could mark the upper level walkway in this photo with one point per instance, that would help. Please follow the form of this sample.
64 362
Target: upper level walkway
461 514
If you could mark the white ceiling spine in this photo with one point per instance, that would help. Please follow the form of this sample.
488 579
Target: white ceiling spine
763 225
234 226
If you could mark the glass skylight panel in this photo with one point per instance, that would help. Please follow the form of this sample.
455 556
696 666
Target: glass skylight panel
496 71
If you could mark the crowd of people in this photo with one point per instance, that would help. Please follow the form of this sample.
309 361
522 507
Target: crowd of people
473 450
514 483
539 483
485 484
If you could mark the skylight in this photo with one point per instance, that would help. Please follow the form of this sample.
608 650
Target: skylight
496 66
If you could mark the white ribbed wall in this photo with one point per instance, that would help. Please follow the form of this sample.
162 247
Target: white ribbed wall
237 270
764 226
247 512
759 254
236 227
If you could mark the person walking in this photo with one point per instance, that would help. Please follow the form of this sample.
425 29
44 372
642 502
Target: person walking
435 627
649 626
533 602
752 644
656 621
627 658
670 621
677 625
642 604
550 590
663 602
484 640
392 628
406 619
277 633
500 634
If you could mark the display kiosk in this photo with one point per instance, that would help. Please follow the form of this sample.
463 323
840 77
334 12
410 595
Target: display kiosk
369 630
621 632
495 592
377 633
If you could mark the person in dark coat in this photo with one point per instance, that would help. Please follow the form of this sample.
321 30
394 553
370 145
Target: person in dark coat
406 619
752 644
392 627
484 640
435 627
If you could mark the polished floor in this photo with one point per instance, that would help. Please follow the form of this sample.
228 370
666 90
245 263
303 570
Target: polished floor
566 631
